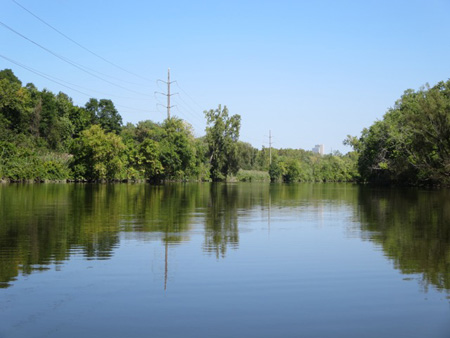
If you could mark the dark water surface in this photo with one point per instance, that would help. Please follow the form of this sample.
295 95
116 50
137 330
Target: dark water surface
223 260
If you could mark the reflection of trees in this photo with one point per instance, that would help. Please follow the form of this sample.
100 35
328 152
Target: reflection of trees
315 194
45 224
225 205
221 219
166 209
413 228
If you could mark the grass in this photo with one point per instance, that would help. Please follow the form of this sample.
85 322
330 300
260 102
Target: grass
252 176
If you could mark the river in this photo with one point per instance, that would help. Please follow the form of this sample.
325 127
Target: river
223 260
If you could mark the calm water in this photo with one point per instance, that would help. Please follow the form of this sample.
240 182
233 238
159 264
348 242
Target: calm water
225 260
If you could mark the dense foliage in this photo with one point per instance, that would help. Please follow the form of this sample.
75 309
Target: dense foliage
44 136
297 165
222 133
411 145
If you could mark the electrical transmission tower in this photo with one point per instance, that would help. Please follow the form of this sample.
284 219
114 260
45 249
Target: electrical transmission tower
168 82
270 147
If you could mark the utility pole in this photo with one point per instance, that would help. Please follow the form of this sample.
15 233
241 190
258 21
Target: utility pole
168 82
168 93
270 147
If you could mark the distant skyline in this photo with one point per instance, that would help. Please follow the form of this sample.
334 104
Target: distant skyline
311 72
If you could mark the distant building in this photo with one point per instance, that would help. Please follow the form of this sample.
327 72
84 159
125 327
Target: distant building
318 149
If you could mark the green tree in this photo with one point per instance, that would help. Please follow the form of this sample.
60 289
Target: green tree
412 142
262 159
177 149
148 159
149 129
246 155
98 155
52 113
292 170
80 119
201 168
222 134
15 103
105 114
9 76
276 170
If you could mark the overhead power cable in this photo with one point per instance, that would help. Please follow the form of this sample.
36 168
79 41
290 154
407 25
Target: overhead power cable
61 83
41 74
77 43
189 109
72 63
198 105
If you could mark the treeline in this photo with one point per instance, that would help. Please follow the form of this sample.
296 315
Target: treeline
44 136
411 144
298 165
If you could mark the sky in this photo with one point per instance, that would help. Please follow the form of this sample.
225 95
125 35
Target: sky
307 72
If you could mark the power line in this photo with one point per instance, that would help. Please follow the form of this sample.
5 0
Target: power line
48 77
186 120
90 71
60 82
78 44
188 95
191 112
74 64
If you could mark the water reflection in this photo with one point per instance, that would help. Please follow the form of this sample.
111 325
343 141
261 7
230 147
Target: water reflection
413 228
45 224
221 219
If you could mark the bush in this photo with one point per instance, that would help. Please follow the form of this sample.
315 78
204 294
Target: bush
252 176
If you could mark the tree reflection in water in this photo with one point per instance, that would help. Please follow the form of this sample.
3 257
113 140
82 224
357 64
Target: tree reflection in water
413 228
45 224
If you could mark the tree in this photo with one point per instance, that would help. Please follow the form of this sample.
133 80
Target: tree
15 103
36 115
148 129
80 118
246 155
105 114
412 142
222 134
55 126
276 170
177 149
9 76
148 159
98 155
262 160
286 169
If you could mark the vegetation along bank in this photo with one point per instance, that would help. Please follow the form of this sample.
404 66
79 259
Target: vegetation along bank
44 136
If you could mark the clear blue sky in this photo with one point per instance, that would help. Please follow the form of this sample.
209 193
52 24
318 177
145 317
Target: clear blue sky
309 71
